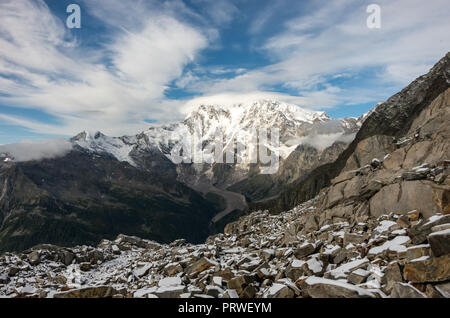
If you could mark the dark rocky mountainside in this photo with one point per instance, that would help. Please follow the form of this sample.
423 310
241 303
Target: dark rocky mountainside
81 198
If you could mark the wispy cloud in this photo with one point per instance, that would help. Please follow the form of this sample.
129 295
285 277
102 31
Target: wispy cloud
114 87
320 55
28 150
331 38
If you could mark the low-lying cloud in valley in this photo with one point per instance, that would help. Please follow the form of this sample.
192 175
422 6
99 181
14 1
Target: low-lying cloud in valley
28 150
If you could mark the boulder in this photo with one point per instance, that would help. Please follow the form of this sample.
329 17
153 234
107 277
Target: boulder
170 291
230 293
239 283
402 198
420 232
318 287
67 257
199 266
13 270
34 258
443 289
85 267
279 291
4 279
142 271
263 271
249 292
311 224
440 242
402 290
430 270
392 276
295 270
358 277
172 269
304 250
136 241
417 251
353 238
214 291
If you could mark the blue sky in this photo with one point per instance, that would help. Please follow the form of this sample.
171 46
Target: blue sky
138 62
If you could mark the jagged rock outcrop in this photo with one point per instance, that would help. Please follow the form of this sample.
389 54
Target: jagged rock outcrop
410 128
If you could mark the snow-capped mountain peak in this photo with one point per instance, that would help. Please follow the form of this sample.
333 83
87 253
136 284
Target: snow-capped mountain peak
234 122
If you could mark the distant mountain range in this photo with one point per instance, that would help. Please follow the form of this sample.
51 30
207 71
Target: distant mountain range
109 185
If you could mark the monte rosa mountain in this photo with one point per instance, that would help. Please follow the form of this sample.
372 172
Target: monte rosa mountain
109 185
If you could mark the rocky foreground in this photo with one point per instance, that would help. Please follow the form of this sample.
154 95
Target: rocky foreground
261 255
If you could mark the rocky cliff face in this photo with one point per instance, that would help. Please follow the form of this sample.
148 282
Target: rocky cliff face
411 126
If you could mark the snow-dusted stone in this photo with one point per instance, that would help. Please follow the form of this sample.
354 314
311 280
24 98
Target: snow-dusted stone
142 270
218 281
170 291
429 270
263 271
443 289
353 238
34 258
172 269
394 245
392 275
403 290
318 287
343 270
385 226
304 250
314 265
239 283
440 242
198 267
145 292
4 279
267 254
214 291
115 249
358 276
416 251
170 281
279 291
420 232
230 293
295 269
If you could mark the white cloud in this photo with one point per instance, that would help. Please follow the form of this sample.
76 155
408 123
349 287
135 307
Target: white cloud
27 150
332 38
234 98
113 88
322 141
